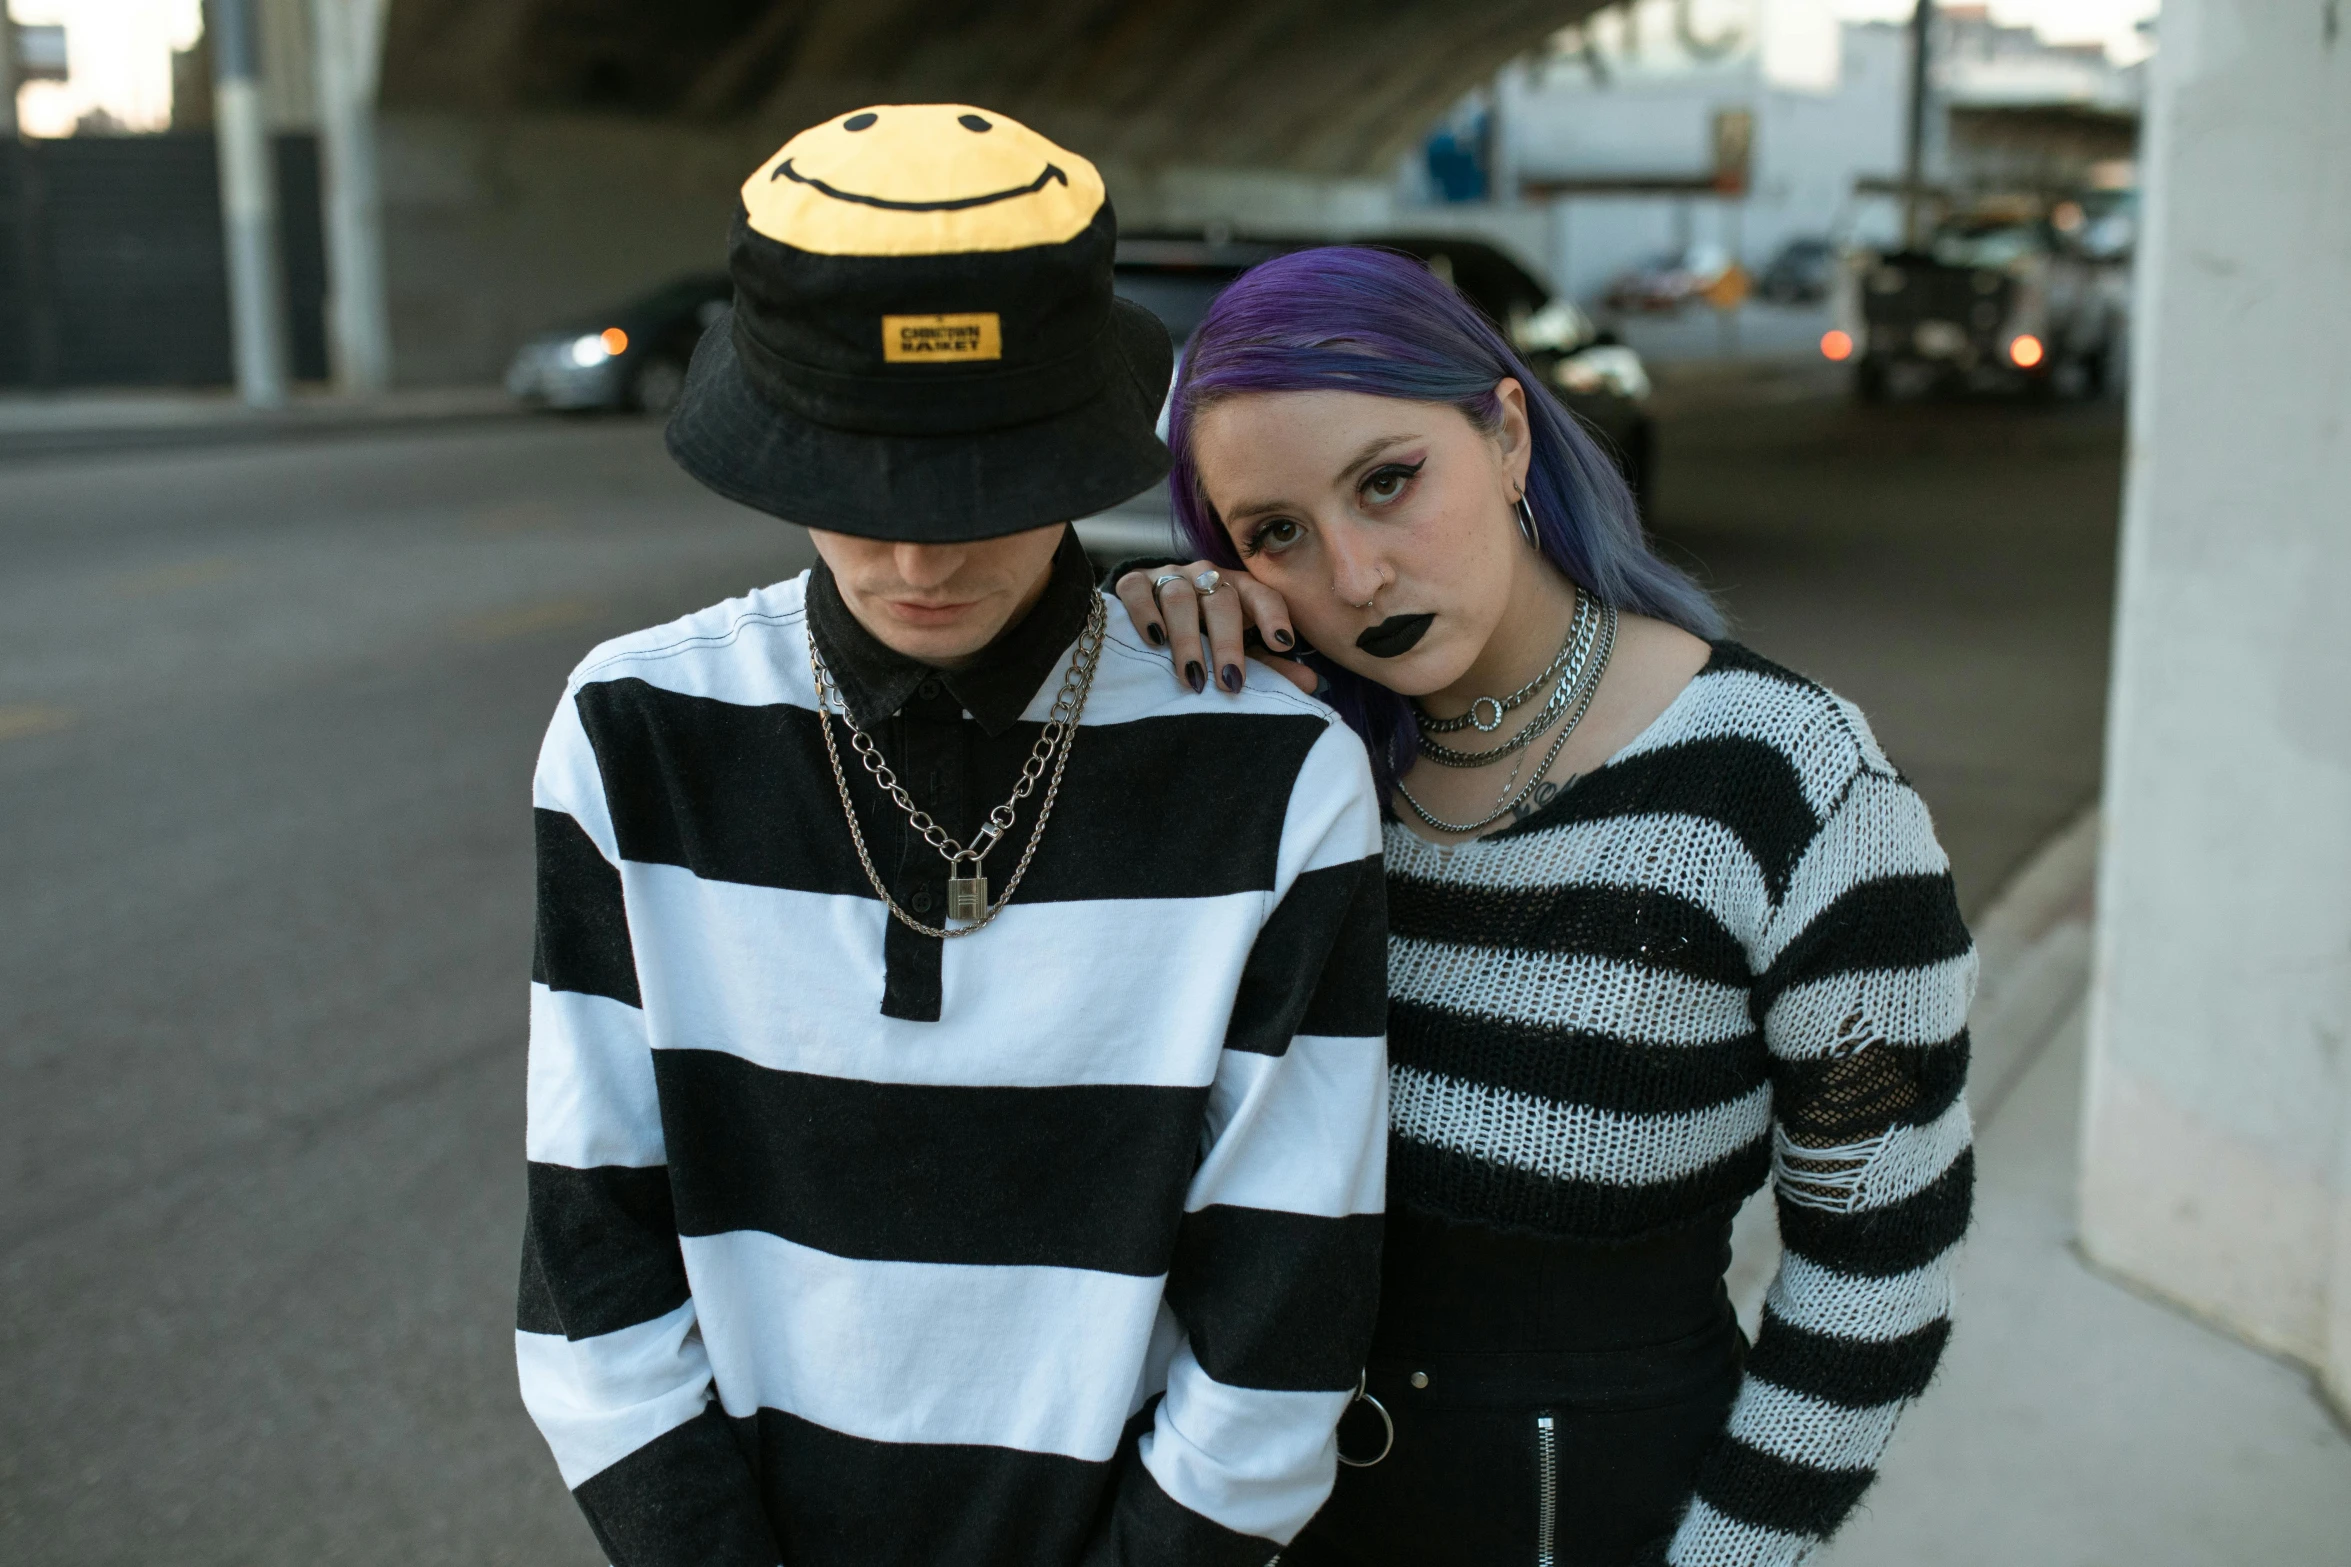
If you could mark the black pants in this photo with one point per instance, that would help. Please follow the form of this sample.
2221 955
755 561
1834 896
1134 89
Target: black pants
1551 1401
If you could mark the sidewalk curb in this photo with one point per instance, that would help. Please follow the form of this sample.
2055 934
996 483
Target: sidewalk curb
68 425
2034 947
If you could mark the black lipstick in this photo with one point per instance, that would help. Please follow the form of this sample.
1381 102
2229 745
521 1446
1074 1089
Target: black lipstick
1395 636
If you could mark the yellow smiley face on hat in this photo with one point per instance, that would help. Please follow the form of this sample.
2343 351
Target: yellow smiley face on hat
921 179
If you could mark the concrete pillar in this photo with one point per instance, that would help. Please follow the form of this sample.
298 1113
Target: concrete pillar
347 48
1914 140
2217 1117
248 203
8 76
1510 87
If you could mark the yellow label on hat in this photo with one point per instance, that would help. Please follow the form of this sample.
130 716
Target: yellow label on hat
921 179
910 340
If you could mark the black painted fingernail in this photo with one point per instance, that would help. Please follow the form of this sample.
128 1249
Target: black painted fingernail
1152 631
1281 638
1197 676
1232 677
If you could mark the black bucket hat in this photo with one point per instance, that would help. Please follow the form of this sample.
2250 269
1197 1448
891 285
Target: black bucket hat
924 346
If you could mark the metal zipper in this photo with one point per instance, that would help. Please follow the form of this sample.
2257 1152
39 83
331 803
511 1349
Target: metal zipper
1546 1490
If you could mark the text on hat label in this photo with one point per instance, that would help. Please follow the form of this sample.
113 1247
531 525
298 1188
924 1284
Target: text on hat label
977 334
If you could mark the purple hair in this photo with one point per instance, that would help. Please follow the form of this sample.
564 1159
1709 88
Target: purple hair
1354 319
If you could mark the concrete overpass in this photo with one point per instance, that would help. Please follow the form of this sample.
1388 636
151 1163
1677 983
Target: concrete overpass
1334 87
539 158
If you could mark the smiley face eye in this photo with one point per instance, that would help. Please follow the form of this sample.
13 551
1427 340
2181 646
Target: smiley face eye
859 122
972 122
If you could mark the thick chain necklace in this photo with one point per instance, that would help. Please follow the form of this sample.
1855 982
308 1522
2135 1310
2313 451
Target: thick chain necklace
1574 653
1501 707
1597 669
967 896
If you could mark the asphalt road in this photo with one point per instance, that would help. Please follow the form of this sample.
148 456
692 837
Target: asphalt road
267 717
1947 566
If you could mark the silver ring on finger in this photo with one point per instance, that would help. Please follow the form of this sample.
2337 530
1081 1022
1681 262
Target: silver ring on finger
1163 579
1208 582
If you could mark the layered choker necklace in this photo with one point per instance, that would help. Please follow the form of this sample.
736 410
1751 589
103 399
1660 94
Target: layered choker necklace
1573 675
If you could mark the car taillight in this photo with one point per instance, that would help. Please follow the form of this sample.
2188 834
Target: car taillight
2025 351
1836 345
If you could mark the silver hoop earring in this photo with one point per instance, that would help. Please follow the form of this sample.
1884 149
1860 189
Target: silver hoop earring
1526 522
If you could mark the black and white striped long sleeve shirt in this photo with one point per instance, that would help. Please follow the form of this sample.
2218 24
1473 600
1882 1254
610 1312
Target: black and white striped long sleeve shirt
1731 954
1080 1271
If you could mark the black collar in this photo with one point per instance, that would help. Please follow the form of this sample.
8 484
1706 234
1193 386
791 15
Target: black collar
875 680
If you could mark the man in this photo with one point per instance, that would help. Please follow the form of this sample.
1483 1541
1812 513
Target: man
957 1117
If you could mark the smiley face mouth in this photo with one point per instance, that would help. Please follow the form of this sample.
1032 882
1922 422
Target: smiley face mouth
784 170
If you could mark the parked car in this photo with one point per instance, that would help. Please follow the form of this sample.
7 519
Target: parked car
1602 382
1666 282
1801 273
630 357
1178 276
1996 300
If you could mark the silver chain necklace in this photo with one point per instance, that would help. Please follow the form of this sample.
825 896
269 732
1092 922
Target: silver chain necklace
1591 684
1502 706
1575 652
967 896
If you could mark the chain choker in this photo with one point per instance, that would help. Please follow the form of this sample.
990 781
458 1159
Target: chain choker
1586 685
967 896
1574 654
1502 706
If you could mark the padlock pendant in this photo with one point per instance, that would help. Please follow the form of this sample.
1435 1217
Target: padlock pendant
967 898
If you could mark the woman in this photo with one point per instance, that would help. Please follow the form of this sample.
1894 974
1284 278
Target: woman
1663 923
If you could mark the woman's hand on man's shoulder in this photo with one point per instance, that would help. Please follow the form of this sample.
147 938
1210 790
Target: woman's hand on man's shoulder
1208 635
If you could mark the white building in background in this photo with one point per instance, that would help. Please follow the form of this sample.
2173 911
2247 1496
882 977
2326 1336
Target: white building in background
1625 108
1629 128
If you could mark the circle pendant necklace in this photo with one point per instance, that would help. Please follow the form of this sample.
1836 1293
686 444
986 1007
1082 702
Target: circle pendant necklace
1582 702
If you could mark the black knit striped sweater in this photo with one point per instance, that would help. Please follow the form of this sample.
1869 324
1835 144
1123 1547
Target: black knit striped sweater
1732 953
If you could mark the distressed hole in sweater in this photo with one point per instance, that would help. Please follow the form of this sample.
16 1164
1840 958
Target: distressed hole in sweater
1853 1036
1852 1096
1827 1177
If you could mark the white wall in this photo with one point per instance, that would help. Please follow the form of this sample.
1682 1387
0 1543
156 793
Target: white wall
2217 1126
1810 145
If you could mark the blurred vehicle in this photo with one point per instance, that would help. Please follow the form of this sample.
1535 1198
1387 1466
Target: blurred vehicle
1801 273
631 357
1664 283
2102 224
1997 299
1177 277
1602 382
